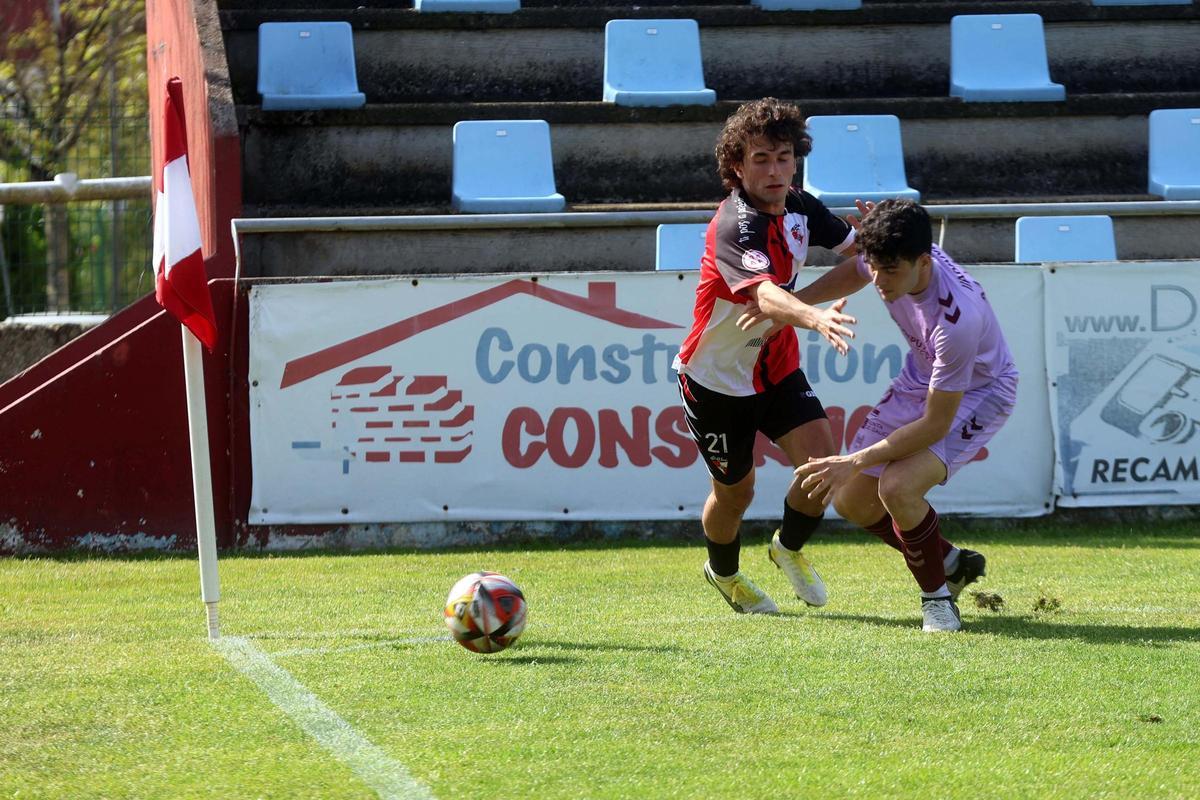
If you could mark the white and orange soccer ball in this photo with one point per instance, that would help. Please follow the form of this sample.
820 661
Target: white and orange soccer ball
485 612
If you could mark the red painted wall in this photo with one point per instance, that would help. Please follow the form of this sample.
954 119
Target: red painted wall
94 438
99 457
183 39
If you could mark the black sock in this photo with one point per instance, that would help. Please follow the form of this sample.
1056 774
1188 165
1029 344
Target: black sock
797 528
723 558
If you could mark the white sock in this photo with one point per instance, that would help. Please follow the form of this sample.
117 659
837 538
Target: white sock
942 592
951 560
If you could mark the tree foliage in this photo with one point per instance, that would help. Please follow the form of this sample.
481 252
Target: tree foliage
57 75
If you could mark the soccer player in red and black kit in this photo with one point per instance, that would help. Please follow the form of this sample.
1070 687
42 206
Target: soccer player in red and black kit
739 367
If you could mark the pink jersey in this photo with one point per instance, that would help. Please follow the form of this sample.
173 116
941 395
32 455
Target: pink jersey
955 341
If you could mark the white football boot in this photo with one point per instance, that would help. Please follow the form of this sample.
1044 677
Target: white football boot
941 615
741 593
804 579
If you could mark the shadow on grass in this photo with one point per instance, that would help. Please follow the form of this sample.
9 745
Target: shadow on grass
543 651
1029 627
503 660
605 648
386 638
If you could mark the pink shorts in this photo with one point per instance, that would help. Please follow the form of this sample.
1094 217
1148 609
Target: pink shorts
981 413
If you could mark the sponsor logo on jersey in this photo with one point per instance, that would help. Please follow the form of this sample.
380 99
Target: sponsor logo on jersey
756 261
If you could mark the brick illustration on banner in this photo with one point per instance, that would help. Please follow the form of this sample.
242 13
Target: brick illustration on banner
379 416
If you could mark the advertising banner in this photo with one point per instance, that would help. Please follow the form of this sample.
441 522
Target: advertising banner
552 397
1125 392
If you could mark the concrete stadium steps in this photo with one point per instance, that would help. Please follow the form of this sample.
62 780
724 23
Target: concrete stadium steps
424 72
554 54
526 5
627 248
395 156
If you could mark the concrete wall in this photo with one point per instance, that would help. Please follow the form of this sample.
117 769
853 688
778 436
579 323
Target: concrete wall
23 344
623 249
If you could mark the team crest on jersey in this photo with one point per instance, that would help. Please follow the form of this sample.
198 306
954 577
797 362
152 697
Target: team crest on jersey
756 261
798 233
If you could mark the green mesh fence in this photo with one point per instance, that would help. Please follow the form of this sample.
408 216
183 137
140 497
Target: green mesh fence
91 256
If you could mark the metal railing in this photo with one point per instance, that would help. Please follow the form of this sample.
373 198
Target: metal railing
67 187
74 245
620 219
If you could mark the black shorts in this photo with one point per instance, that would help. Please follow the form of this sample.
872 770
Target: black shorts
725 426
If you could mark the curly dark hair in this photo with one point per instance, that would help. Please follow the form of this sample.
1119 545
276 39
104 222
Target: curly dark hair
767 118
895 230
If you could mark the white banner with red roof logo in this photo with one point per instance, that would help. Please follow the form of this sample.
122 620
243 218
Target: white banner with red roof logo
552 397
1125 362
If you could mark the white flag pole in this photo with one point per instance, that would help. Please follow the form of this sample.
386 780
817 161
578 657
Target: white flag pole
202 492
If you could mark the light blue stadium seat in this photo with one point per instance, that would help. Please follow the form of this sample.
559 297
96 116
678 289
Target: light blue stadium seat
654 62
1141 2
1175 153
680 245
808 5
998 57
307 65
504 167
468 6
1081 238
856 158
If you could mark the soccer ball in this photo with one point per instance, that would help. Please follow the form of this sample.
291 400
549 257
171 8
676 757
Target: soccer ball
485 612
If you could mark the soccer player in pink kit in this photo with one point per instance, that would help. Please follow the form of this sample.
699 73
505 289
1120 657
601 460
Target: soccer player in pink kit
957 388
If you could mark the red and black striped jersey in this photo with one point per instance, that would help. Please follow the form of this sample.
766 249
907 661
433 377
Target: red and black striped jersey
746 246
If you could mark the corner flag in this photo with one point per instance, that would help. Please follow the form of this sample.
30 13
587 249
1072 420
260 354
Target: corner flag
180 285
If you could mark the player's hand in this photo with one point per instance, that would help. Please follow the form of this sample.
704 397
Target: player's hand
753 315
864 208
832 323
823 477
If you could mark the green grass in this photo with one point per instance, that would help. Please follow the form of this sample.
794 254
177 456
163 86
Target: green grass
633 678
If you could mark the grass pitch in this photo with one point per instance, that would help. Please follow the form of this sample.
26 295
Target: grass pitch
632 680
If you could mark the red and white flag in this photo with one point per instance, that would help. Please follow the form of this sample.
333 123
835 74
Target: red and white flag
180 285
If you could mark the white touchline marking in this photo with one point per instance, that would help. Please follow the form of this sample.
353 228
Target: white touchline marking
321 651
389 778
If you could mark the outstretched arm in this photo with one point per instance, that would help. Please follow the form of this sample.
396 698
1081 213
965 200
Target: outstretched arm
781 307
841 281
822 477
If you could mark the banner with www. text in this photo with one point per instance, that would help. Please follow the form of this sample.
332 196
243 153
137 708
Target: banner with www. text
552 397
1124 359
